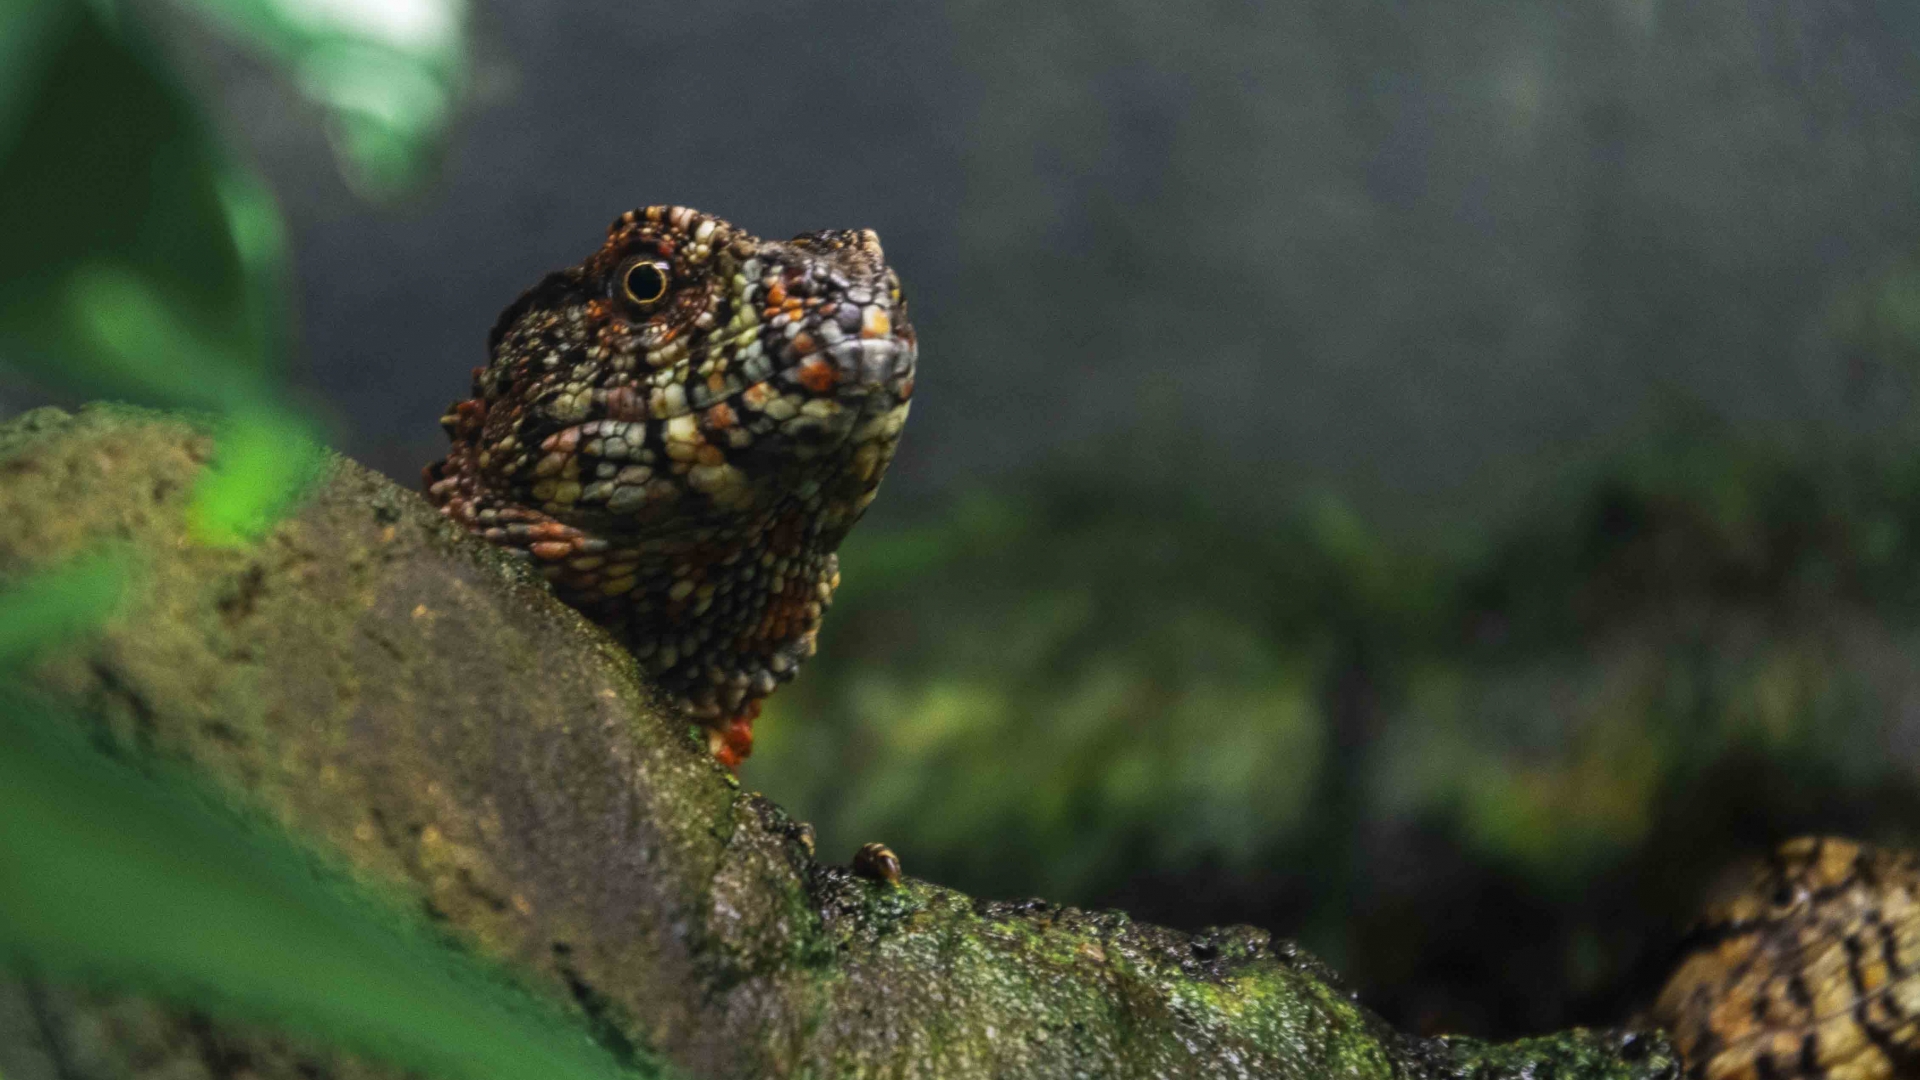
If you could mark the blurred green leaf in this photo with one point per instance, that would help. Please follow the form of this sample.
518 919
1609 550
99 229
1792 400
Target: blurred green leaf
130 341
111 874
25 26
139 261
387 71
264 459
142 263
56 606
148 267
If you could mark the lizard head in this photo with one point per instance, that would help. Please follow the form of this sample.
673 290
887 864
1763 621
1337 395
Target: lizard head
688 374
679 431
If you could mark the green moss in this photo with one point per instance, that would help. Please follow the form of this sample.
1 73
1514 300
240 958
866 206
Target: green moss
1571 1055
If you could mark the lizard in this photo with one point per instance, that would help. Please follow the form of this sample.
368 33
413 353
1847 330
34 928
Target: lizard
1806 968
679 431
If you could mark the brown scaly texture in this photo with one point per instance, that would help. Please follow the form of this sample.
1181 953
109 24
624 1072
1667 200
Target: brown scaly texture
1811 970
680 431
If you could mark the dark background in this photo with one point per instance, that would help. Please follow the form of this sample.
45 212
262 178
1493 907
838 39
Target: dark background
1407 251
1434 479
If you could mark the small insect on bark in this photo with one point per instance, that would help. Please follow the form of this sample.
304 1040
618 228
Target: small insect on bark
877 862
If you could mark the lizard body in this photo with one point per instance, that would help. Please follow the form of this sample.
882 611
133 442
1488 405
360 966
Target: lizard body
680 431
1809 971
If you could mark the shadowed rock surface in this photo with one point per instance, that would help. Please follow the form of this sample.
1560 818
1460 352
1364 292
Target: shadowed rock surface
412 699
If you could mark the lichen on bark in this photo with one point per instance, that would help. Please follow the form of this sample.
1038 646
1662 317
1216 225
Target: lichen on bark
415 702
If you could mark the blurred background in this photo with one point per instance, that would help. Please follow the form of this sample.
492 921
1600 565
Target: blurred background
1439 481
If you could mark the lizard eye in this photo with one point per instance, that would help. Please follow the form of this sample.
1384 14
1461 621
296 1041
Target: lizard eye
643 282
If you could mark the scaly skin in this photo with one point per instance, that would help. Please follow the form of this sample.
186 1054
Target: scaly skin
1811 971
682 467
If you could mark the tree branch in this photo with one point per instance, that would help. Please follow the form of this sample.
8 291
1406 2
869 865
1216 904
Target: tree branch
412 699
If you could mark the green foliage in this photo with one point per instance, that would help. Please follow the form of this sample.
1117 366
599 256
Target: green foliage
60 606
138 266
388 72
264 461
1107 695
1042 648
1881 317
111 874
142 263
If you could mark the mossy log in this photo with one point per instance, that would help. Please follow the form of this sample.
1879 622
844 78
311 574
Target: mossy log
414 701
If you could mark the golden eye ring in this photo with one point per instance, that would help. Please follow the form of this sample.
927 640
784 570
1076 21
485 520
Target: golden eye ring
643 282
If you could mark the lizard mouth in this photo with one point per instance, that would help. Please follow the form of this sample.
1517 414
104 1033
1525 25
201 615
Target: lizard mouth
871 364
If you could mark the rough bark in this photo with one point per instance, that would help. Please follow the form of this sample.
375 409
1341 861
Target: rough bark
416 702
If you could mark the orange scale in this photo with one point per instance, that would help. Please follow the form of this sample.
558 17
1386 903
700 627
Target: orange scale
819 376
626 403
